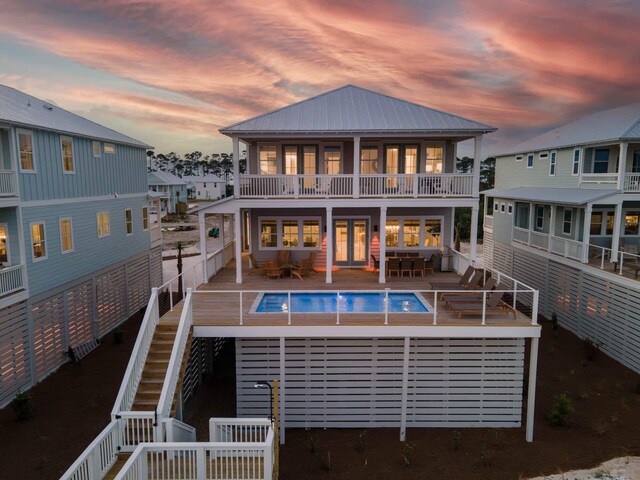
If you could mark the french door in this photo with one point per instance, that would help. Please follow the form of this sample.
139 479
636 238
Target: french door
351 242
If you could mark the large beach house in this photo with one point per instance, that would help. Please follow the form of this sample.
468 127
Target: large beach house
564 217
329 288
76 256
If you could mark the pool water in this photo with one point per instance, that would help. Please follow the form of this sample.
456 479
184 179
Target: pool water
350 302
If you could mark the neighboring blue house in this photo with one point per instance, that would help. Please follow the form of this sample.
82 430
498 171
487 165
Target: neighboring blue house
171 186
75 237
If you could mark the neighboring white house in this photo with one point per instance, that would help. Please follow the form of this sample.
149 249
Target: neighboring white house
209 187
173 188
564 217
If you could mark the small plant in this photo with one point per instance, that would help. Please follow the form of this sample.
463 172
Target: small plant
485 456
554 321
561 410
118 336
311 443
324 463
591 348
457 440
362 435
22 405
407 454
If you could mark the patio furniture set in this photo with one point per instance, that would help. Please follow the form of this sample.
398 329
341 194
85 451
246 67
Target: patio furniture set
402 263
282 265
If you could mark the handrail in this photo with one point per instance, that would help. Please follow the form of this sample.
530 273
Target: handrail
133 373
98 457
181 278
177 431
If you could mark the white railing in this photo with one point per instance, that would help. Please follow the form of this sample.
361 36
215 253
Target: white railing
131 380
599 178
324 186
488 221
137 428
460 261
521 235
539 240
229 252
566 247
238 430
631 182
11 279
177 431
189 278
201 461
265 186
98 457
416 185
8 183
629 258
175 362
600 252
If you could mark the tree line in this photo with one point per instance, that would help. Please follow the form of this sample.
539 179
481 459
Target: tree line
195 164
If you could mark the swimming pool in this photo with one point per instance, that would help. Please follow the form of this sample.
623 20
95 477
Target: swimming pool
349 302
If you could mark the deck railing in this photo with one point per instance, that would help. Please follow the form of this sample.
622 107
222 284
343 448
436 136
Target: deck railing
137 427
561 246
631 182
8 183
189 278
177 431
600 178
11 279
98 457
238 429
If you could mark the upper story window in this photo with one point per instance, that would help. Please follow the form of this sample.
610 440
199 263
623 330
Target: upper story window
530 160
4 244
567 221
128 221
553 159
332 160
635 166
522 215
97 149
145 218
410 159
369 160
435 156
519 158
575 169
38 241
67 155
267 160
109 148
103 224
290 160
601 161
539 217
25 144
66 235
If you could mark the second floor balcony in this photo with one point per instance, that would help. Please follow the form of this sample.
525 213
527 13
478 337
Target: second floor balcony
417 185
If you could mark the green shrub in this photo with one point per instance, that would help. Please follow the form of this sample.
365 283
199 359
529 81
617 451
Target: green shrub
561 410
22 405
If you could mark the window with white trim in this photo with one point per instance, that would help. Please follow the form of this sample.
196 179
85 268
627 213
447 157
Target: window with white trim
66 235
311 233
553 159
4 244
413 232
103 224
596 223
519 158
369 160
631 221
530 160
38 241
145 218
332 160
434 158
109 148
268 234
25 146
267 160
432 232
575 169
290 233
601 160
510 208
567 221
290 160
411 159
97 149
67 155
128 221
539 217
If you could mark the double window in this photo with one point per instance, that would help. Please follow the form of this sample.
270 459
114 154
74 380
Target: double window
145 218
66 235
38 241
25 145
413 232
601 161
369 160
289 233
67 155
103 224
268 160
128 221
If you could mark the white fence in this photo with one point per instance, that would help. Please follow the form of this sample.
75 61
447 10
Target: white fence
7 183
567 248
237 430
11 279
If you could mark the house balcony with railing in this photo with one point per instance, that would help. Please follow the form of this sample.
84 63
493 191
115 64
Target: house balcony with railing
612 167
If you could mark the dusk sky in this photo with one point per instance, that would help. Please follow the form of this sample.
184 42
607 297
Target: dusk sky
171 73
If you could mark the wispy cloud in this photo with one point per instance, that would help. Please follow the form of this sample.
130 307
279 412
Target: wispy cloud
521 65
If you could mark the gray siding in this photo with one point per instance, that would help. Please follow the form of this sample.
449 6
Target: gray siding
511 173
123 172
90 252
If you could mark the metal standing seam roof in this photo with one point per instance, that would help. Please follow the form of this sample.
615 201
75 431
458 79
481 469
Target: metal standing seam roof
622 123
18 108
353 109
566 196
164 178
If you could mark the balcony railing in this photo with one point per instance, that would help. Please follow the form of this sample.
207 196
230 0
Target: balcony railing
342 186
11 280
600 178
8 184
631 182
561 246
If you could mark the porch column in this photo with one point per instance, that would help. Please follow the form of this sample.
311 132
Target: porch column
474 234
477 152
622 164
617 226
552 225
203 246
237 236
452 240
586 232
383 245
356 167
329 226
221 233
236 167
531 220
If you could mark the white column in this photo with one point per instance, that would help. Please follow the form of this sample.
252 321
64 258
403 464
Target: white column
617 227
586 232
356 167
221 233
203 246
531 391
329 226
405 390
622 164
477 153
552 222
236 167
452 240
238 239
383 245
474 234
282 390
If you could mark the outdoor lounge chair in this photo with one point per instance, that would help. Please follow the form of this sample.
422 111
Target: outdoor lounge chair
472 285
464 280
272 270
303 270
470 297
494 304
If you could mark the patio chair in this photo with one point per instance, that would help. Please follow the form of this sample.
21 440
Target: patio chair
494 304
283 258
303 270
272 270
394 266
428 264
256 268
464 280
324 186
406 266
376 263
418 266
470 297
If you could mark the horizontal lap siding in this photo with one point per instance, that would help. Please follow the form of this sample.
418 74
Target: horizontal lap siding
357 383
15 354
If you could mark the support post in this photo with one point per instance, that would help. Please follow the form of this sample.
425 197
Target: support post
474 234
532 214
552 223
276 427
617 226
586 232
221 227
238 245
531 396
477 160
329 225
383 245
622 164
282 384
452 240
236 167
405 390
203 246
356 167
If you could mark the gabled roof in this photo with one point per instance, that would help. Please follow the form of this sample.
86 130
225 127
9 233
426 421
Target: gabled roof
206 178
164 178
352 109
616 124
565 196
18 108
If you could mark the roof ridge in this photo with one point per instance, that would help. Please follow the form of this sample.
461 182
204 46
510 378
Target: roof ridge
633 125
